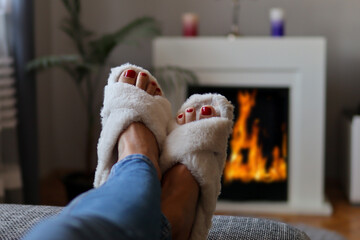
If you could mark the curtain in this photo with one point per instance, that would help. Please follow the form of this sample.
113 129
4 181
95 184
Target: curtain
10 174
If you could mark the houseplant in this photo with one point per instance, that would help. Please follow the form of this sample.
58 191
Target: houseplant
85 66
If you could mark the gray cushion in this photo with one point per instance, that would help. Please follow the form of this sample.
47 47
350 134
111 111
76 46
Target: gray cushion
16 220
246 228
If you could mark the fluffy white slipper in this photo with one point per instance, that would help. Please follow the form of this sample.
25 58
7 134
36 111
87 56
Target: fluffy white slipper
201 145
124 104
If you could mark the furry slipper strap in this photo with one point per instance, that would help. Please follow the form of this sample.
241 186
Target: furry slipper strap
123 105
201 145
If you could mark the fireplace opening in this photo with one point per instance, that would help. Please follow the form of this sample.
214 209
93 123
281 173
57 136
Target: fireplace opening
258 162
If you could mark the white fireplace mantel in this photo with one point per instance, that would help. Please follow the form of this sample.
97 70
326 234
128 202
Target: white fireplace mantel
296 63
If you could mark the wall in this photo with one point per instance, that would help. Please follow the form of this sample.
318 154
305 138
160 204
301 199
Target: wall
61 116
43 47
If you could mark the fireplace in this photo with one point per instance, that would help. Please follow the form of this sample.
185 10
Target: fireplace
291 73
256 168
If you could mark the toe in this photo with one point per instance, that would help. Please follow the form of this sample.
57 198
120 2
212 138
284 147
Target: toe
207 112
151 88
142 80
128 76
158 92
180 119
190 115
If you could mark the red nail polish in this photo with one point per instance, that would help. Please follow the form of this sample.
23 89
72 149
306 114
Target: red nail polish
206 111
130 73
189 110
158 89
143 74
153 83
180 116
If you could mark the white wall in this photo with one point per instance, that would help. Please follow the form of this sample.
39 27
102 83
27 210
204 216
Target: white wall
61 117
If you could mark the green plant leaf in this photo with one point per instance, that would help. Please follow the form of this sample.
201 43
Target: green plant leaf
77 6
81 71
75 31
73 28
51 61
65 27
72 6
67 5
101 48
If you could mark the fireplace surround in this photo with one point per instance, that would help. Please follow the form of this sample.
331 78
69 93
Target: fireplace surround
296 64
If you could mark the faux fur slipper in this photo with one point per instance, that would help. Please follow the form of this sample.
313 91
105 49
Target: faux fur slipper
123 105
201 145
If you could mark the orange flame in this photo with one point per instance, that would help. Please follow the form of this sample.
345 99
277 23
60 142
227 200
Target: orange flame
255 169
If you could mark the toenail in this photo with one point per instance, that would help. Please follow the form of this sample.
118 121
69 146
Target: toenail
206 111
153 83
158 89
189 110
130 73
143 74
180 116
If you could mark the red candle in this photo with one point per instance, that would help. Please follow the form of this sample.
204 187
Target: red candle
190 24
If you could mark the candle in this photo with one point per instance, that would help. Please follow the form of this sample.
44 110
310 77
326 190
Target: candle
190 24
277 21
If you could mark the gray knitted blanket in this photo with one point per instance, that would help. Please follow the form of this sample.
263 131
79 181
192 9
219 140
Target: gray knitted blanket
16 220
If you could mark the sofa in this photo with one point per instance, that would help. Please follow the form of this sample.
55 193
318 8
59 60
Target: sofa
16 220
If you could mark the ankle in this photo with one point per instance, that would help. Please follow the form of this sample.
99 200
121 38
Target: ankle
138 139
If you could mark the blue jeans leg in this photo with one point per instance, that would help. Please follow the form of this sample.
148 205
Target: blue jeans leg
126 206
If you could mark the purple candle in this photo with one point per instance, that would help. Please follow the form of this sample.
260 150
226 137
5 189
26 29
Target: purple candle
277 21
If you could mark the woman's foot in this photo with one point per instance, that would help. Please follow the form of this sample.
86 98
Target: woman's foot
180 190
133 115
189 115
137 138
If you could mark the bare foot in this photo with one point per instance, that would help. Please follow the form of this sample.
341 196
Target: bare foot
137 138
180 190
189 115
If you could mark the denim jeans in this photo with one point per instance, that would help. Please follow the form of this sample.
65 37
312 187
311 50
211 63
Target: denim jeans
126 206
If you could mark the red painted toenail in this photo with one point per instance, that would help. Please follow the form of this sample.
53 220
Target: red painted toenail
206 111
143 74
189 110
158 89
180 116
153 83
130 73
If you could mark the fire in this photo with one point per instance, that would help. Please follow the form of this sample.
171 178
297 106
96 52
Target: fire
256 168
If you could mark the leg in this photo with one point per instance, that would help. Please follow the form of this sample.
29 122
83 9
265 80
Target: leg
198 140
179 196
180 190
127 205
